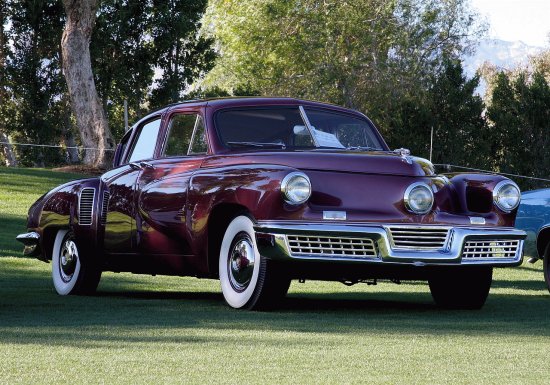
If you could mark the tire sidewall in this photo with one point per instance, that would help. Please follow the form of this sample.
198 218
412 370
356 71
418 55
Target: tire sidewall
62 287
234 298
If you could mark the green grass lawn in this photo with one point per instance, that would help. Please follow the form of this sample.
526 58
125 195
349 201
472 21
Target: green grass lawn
141 329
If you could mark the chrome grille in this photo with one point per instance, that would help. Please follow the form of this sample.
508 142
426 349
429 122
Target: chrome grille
419 238
491 249
340 247
86 206
104 207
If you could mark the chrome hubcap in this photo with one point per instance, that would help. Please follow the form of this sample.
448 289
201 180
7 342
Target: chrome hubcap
67 260
241 262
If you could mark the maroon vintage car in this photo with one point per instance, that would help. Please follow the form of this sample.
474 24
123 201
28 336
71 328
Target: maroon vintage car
260 191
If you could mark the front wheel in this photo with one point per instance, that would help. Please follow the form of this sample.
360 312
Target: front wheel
72 272
461 288
248 280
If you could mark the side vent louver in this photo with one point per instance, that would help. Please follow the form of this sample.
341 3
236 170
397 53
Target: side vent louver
104 207
86 206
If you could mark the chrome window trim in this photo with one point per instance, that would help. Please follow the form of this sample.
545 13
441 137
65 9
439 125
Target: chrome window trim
308 125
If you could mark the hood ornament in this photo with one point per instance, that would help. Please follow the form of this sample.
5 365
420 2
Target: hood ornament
405 154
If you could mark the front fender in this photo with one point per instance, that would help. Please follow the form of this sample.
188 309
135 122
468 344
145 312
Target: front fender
254 188
474 194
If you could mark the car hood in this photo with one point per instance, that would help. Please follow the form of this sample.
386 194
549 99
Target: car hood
371 162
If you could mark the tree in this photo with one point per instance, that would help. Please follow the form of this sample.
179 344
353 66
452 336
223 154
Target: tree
7 150
34 78
519 114
87 108
180 53
364 54
449 105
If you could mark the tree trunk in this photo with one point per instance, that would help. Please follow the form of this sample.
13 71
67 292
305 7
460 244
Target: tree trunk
77 68
11 160
7 150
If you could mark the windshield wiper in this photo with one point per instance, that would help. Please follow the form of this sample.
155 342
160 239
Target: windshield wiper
257 144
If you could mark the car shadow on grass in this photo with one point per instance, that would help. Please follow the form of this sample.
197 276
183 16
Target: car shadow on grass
32 313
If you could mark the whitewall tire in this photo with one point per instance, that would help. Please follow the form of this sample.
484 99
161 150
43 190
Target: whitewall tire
72 273
239 262
248 280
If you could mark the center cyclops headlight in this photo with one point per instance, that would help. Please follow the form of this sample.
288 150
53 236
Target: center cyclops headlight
419 198
506 195
296 188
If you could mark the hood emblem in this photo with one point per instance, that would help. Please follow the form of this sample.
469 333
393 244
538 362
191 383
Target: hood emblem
405 154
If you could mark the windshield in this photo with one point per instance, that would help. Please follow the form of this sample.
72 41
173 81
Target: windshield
290 128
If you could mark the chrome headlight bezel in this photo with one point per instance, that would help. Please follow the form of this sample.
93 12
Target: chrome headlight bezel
287 186
409 201
499 187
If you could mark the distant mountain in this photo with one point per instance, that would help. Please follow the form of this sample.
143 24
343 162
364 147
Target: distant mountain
505 54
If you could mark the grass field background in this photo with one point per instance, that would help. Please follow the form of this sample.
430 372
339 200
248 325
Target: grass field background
141 329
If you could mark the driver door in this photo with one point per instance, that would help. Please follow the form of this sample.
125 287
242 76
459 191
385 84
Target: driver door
120 221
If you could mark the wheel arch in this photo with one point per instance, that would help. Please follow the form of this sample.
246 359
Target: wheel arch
218 220
543 240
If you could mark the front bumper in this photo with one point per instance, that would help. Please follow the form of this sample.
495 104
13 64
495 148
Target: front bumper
377 244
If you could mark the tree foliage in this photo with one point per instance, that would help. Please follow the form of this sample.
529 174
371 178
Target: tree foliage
147 52
34 77
520 122
364 54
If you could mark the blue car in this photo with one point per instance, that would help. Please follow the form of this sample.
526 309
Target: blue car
534 218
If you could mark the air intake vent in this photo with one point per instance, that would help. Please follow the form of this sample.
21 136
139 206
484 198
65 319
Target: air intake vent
418 238
334 247
104 207
491 249
86 206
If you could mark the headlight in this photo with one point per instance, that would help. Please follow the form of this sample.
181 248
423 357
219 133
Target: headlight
296 188
506 195
419 198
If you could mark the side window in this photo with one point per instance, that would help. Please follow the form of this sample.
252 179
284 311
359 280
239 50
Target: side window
199 145
144 145
180 132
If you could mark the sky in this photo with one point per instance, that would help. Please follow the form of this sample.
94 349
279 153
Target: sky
512 20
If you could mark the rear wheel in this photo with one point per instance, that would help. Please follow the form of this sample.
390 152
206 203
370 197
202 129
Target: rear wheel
248 280
461 288
72 272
